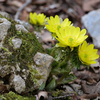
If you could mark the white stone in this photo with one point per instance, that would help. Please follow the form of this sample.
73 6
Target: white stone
4 14
16 42
25 24
17 67
92 23
18 83
20 27
4 26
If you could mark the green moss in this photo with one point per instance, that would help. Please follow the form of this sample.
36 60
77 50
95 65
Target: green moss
5 50
12 96
34 74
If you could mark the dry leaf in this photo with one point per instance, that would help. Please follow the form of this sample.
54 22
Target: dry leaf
89 4
15 3
42 95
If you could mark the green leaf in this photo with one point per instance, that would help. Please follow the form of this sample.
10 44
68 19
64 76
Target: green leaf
67 79
58 71
42 86
51 85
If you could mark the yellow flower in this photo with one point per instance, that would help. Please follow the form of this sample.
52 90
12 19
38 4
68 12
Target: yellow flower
87 54
41 19
71 37
33 19
55 23
37 19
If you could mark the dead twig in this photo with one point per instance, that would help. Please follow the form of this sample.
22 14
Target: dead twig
62 97
21 8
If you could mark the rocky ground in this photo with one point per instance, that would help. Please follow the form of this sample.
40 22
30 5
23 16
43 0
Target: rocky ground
82 13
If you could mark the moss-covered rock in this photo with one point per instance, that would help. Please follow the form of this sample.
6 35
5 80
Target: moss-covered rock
12 96
17 50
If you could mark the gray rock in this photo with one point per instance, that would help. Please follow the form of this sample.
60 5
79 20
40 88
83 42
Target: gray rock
4 14
92 22
25 24
16 42
43 59
4 26
18 83
20 27
38 35
17 67
43 66
5 70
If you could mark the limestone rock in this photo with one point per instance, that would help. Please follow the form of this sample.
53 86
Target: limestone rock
92 23
20 27
18 83
25 24
43 66
43 59
17 42
17 67
4 26
4 14
5 70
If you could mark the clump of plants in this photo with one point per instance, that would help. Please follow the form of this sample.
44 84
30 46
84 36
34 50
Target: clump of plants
71 50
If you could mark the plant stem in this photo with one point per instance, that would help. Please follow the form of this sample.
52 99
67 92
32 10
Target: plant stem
63 76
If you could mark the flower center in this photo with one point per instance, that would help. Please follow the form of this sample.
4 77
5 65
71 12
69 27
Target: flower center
70 39
85 55
58 27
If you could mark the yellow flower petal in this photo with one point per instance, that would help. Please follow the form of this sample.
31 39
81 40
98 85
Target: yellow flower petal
65 23
37 19
87 54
